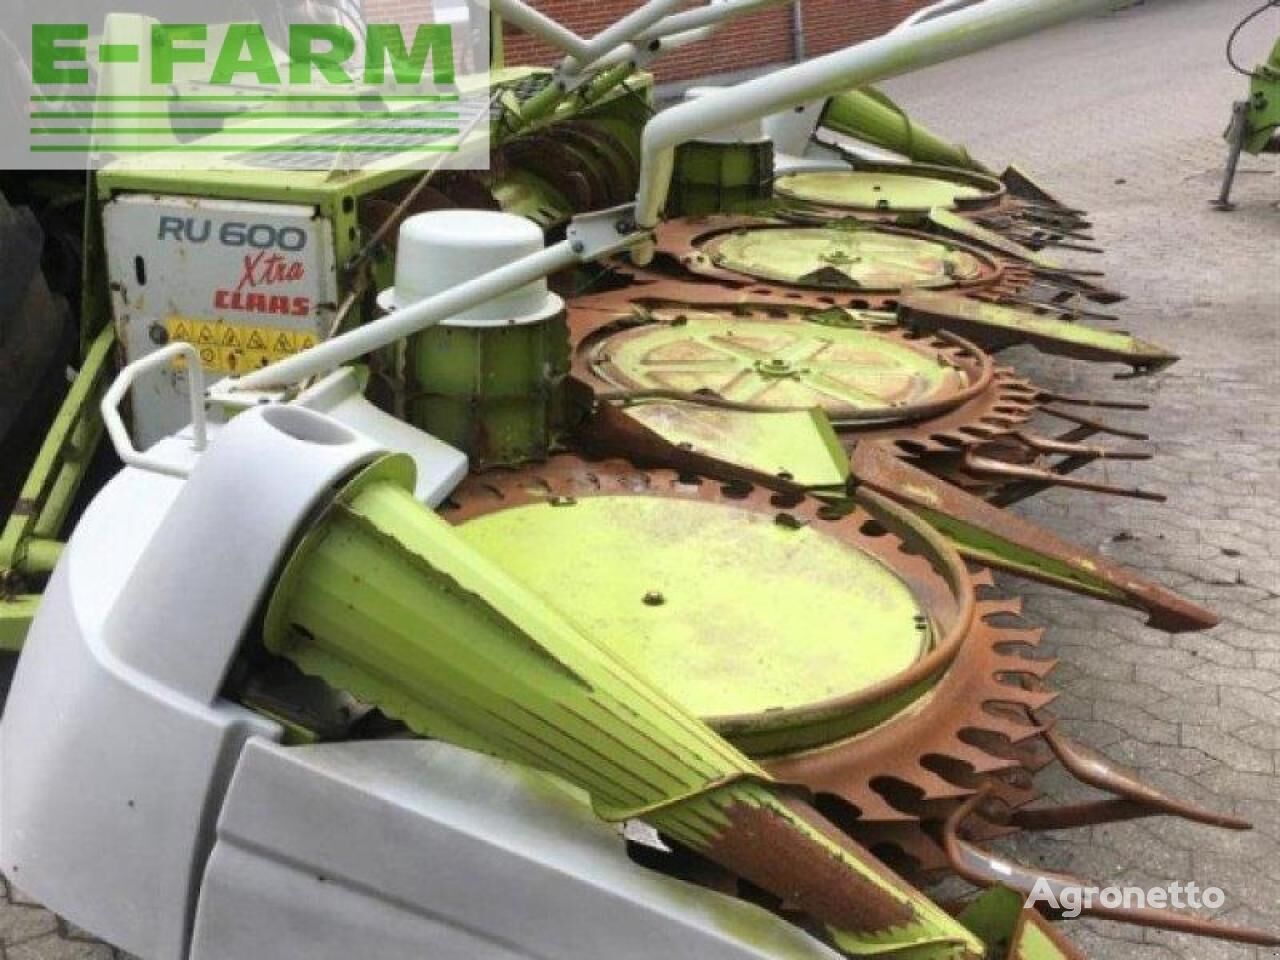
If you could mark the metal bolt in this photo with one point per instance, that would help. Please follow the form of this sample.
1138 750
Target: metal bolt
158 334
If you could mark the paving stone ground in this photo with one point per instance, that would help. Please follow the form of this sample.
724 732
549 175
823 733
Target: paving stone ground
1122 114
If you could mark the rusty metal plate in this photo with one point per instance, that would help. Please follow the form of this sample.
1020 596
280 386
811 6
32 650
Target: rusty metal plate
866 607
848 256
781 363
925 394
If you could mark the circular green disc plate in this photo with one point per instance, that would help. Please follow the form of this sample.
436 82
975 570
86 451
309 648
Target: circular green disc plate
727 610
779 363
876 190
841 258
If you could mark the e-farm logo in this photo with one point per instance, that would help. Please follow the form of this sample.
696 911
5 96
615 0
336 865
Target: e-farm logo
60 54
309 96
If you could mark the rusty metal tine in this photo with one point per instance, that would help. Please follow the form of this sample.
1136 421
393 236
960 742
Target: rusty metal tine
1088 402
1072 816
985 869
1010 471
1110 810
1096 425
1092 768
1081 248
1050 445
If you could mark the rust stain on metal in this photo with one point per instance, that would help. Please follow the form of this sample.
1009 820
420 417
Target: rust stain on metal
984 868
759 843
875 466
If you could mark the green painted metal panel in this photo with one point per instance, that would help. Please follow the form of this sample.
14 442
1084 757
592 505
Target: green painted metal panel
798 445
673 585
720 178
997 325
494 392
1264 103
849 256
16 614
870 116
877 189
780 365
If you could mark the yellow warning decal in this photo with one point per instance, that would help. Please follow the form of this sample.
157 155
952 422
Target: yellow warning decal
235 348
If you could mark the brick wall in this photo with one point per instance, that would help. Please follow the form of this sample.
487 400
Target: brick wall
752 41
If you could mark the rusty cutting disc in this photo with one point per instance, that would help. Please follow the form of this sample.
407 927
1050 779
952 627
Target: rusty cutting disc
847 262
869 671
926 394
891 188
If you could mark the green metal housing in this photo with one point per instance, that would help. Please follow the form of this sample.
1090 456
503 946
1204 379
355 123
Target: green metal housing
494 392
714 177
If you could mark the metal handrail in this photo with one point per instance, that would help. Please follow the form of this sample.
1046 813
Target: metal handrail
119 433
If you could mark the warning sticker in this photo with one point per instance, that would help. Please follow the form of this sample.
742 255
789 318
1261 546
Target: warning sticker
235 348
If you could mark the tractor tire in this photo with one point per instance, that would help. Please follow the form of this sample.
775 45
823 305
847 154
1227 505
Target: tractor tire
35 330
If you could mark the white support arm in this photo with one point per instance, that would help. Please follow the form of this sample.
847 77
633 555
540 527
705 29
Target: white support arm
641 56
713 14
582 51
353 344
641 36
933 41
590 236
933 10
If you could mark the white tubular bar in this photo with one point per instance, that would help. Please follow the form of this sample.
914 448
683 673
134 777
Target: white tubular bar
582 51
933 41
933 10
540 25
678 30
115 395
712 15
641 56
624 30
329 354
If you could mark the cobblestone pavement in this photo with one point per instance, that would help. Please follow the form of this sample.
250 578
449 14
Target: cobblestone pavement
1126 123
1122 114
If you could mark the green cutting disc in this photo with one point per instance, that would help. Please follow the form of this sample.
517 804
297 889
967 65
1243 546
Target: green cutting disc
843 257
730 611
897 189
779 363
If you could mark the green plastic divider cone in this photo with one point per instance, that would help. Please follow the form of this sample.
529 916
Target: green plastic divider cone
869 115
384 599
